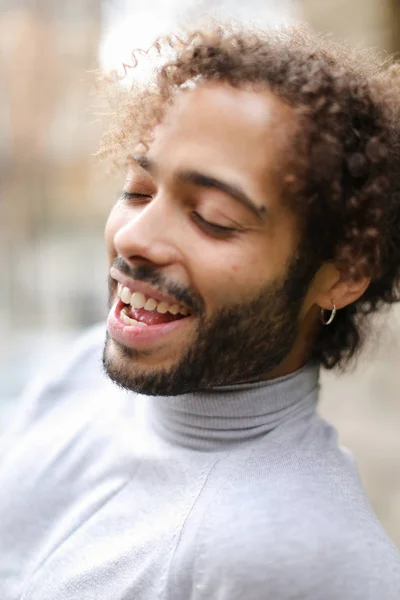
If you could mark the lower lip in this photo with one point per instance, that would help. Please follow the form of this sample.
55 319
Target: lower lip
132 335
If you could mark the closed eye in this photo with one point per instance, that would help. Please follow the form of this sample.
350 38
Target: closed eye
213 228
133 196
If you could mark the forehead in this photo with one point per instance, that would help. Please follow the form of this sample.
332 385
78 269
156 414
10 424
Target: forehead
237 132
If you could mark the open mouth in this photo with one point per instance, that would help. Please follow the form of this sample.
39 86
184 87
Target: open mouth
143 311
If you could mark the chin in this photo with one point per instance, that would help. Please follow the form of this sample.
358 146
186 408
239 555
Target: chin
127 368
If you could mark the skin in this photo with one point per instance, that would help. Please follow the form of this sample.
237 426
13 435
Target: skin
237 136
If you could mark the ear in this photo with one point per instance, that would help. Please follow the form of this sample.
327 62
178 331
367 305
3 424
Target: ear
333 287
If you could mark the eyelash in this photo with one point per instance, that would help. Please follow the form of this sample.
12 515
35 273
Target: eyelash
132 196
213 228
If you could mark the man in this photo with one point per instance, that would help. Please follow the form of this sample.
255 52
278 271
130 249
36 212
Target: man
258 225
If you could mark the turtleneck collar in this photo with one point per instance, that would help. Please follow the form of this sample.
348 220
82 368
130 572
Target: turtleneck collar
219 417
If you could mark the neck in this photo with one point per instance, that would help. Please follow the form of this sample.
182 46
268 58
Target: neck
219 417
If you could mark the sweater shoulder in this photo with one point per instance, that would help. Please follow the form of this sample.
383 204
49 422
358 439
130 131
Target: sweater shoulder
76 369
298 525
309 563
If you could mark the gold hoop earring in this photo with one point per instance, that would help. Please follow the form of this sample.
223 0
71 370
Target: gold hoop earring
333 313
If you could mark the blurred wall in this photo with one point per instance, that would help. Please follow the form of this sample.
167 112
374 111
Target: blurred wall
49 222
361 22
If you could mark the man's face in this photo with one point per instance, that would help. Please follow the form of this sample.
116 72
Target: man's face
201 232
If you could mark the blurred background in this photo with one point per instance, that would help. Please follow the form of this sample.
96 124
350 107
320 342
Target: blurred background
54 197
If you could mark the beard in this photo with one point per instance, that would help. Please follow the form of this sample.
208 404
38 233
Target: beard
240 343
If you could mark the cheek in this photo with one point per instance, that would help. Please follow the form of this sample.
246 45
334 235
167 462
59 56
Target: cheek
235 267
228 279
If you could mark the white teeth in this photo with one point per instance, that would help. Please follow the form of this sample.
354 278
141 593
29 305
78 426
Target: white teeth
138 300
151 304
126 295
136 323
125 319
128 321
162 308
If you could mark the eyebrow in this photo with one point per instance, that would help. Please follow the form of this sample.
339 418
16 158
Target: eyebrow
206 181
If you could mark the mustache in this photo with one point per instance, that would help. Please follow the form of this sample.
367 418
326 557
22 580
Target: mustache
153 276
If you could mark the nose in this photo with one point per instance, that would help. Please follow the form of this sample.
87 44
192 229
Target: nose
149 234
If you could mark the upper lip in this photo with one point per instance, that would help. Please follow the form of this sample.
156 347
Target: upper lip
140 286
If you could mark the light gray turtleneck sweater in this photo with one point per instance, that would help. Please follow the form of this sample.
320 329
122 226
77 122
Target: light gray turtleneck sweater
240 493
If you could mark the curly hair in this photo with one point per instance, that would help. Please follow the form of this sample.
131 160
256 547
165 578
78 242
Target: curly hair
342 172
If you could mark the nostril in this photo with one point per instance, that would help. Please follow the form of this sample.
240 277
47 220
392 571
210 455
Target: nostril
137 259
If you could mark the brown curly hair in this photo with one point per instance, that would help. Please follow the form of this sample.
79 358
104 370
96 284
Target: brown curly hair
342 172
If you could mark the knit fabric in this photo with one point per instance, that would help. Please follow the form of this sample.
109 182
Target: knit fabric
240 492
